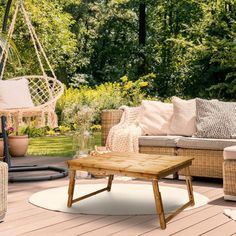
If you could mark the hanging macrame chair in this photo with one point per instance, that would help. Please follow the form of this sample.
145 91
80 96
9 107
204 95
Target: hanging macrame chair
44 90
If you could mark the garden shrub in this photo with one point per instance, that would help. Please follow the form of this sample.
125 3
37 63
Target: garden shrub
33 131
63 129
105 96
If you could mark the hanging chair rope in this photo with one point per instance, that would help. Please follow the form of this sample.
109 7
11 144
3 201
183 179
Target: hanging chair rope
35 37
44 90
32 37
35 41
5 50
37 45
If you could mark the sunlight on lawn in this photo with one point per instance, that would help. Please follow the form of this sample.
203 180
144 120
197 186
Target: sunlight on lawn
55 145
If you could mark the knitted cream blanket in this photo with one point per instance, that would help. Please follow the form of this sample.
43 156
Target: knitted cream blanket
123 137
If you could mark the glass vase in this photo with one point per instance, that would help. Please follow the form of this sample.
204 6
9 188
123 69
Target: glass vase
81 141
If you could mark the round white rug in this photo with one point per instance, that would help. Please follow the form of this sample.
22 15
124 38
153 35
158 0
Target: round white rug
124 199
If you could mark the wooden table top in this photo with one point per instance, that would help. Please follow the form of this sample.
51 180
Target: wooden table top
132 164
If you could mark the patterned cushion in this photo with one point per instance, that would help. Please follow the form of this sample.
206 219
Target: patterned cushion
215 119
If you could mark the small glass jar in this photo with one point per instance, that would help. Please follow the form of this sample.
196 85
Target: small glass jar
82 141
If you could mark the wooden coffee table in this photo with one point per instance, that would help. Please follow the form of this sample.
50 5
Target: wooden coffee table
145 166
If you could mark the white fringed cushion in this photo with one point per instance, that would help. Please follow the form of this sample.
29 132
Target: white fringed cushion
15 94
155 117
184 118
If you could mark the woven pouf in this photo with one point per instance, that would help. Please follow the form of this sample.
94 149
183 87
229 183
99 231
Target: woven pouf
3 189
229 173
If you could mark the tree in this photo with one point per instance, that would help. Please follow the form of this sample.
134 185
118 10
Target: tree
107 38
188 44
53 28
214 70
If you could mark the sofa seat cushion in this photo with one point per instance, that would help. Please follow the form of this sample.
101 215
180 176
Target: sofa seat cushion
205 143
230 153
158 141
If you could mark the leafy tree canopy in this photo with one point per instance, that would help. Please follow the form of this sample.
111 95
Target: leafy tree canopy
190 44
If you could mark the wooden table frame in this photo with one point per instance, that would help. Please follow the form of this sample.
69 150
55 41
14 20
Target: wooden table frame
156 191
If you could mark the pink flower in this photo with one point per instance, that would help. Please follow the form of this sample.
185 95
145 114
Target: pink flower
9 130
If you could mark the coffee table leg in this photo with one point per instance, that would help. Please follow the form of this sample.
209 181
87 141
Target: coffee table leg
71 188
159 205
189 186
109 182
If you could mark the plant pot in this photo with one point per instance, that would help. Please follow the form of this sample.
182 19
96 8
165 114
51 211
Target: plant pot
1 148
18 145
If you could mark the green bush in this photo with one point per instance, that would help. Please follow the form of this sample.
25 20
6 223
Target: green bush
33 131
64 129
104 96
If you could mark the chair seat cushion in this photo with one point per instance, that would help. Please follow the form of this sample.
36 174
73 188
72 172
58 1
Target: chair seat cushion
15 94
230 153
158 141
205 143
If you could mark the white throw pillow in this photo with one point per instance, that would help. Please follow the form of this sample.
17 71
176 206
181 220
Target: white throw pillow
155 117
184 118
15 94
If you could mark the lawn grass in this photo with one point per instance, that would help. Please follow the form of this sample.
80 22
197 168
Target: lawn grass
56 145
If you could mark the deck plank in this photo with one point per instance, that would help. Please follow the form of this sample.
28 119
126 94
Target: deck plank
103 222
114 228
188 221
149 226
60 227
228 228
204 225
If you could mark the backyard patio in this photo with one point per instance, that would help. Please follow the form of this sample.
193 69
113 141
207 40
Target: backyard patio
23 218
131 97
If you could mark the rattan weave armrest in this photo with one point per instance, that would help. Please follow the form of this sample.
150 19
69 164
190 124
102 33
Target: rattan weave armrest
3 189
109 119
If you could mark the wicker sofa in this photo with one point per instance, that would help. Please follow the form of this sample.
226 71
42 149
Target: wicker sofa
208 153
3 189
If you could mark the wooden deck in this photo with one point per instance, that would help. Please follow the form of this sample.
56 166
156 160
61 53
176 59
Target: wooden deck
25 219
